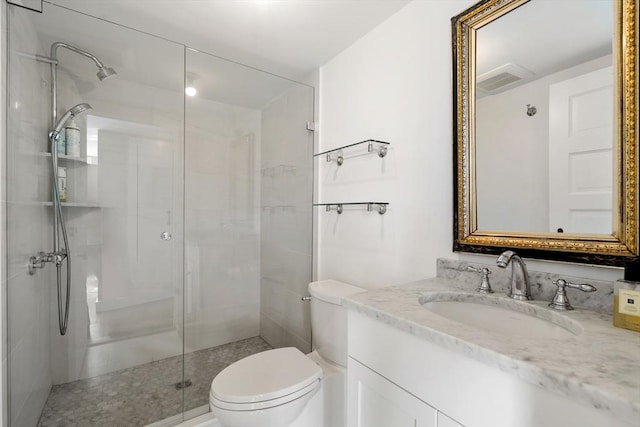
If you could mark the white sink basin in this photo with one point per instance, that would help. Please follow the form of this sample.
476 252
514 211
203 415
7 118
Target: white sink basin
501 315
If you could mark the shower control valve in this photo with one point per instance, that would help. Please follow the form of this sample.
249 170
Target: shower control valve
39 260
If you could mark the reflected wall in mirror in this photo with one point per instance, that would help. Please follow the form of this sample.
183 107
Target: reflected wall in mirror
546 138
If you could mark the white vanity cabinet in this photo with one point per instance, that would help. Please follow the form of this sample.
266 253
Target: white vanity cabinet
397 379
374 401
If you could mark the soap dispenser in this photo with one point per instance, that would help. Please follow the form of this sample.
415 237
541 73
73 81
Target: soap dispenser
626 298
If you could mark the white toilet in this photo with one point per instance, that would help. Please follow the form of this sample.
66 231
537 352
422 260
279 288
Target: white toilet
284 387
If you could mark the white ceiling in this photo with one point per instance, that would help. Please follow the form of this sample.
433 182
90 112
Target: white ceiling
293 37
285 37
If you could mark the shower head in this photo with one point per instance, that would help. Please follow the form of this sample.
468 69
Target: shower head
79 109
74 111
105 73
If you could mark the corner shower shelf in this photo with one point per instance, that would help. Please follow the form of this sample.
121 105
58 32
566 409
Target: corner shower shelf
373 146
380 207
64 204
64 157
73 205
77 205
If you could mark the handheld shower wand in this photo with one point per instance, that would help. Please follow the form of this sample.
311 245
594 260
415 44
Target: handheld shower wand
76 110
58 255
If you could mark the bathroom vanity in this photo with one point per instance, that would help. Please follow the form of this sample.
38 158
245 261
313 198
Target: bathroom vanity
414 361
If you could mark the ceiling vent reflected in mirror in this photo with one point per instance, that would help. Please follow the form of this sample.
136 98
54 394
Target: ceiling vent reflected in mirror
502 78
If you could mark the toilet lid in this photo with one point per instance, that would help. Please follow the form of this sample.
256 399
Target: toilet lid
265 376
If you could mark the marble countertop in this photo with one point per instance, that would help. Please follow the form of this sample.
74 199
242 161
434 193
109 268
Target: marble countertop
599 367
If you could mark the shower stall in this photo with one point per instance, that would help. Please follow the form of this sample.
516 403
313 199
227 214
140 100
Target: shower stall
187 213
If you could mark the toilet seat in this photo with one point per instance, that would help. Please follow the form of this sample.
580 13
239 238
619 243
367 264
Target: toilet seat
254 406
265 380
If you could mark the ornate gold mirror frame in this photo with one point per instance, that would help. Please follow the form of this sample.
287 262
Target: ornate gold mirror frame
616 249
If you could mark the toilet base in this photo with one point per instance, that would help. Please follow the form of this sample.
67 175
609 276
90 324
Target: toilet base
334 392
311 416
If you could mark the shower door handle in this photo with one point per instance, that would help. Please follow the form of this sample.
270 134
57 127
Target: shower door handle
165 235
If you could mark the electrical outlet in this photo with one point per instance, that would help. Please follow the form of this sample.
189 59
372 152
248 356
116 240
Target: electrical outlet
629 302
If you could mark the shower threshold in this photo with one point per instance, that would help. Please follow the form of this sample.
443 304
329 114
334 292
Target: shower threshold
197 417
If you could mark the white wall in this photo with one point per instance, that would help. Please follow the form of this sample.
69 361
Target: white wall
395 84
512 159
392 85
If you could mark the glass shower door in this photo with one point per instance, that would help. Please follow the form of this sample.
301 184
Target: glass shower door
248 239
120 361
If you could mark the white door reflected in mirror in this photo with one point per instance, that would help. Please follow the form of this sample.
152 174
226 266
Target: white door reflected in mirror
581 154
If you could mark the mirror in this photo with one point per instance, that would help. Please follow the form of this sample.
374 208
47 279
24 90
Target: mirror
545 129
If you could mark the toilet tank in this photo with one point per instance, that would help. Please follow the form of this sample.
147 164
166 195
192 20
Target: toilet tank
329 319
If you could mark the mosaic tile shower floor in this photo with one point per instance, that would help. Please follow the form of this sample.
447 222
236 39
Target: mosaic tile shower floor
143 394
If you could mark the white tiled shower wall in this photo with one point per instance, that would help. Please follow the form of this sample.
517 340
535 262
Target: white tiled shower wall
68 351
286 217
29 342
138 184
39 355
222 284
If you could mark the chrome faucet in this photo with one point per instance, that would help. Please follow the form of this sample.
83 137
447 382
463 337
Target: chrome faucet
520 287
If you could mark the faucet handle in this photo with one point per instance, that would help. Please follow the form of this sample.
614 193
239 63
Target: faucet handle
561 300
485 286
